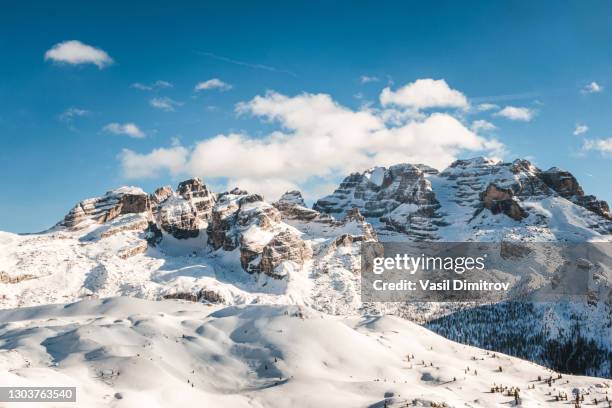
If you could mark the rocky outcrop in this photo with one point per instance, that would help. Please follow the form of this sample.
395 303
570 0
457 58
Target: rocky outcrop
220 227
378 191
153 234
499 200
292 207
565 184
185 212
134 203
400 197
5 278
293 197
203 295
137 224
160 195
124 200
132 251
474 175
245 222
195 190
309 221
286 246
179 218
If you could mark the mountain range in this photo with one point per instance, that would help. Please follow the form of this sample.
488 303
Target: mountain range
235 250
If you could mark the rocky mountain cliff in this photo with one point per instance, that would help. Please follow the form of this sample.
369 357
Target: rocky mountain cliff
234 247
420 202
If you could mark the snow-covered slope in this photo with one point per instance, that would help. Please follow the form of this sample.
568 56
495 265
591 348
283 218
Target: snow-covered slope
125 352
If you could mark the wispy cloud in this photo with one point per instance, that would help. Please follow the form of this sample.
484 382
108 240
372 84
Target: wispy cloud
580 129
69 114
604 146
246 64
75 53
479 125
365 79
504 97
483 107
128 129
593 87
164 103
159 84
214 83
516 113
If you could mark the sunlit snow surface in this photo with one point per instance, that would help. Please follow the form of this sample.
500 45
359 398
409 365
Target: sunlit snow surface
126 352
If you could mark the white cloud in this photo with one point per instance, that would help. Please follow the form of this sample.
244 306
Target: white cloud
69 114
365 79
141 86
516 113
604 146
478 125
128 129
165 103
580 129
75 52
159 84
162 84
423 94
317 139
214 83
487 107
149 165
593 87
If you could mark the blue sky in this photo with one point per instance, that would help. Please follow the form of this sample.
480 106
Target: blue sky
291 107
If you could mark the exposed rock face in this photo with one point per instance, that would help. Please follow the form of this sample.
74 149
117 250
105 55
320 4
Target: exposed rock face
367 232
520 177
246 222
160 195
5 278
138 224
132 251
291 198
307 220
401 197
153 234
286 246
563 182
179 217
203 295
500 200
124 200
181 214
292 207
184 213
197 192
222 232
134 203
500 187
566 185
